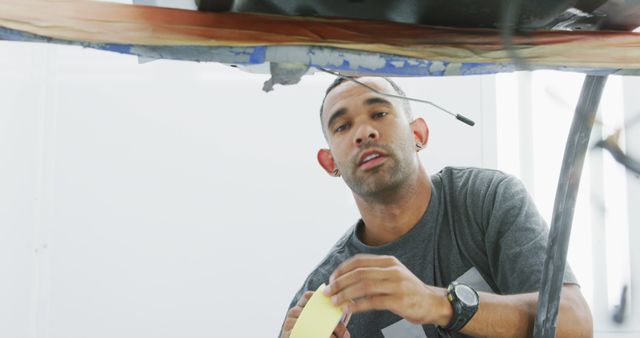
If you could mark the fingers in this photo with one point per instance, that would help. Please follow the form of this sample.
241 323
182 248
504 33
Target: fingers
363 261
305 298
292 316
346 317
370 282
341 331
287 327
362 267
364 288
294 313
382 302
363 282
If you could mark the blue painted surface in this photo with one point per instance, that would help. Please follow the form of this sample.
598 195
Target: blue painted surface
259 55
392 65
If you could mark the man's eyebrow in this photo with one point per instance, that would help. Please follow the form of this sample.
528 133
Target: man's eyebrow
377 100
369 102
336 115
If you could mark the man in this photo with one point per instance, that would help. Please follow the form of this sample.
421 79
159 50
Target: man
474 230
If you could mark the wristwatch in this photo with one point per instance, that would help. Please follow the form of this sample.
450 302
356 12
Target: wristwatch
464 300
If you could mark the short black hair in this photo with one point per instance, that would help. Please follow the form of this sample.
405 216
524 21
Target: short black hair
340 80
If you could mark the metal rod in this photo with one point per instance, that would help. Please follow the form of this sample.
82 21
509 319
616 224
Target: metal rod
565 201
460 117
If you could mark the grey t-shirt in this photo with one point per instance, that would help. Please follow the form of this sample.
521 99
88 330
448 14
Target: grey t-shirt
480 227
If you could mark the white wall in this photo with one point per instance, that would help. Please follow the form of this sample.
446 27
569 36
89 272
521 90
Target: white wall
175 199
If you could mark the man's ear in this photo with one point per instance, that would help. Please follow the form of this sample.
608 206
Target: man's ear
420 131
326 162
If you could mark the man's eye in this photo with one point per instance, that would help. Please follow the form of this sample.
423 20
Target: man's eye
342 127
379 115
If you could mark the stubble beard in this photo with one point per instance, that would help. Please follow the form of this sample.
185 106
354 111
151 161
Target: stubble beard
382 183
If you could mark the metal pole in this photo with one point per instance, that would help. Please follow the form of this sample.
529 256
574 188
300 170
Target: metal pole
565 201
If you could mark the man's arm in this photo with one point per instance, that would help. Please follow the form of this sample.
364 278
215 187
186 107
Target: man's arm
514 315
368 282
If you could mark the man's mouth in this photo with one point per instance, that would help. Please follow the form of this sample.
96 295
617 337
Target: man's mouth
371 158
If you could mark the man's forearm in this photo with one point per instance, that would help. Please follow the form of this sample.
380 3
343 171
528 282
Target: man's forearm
514 315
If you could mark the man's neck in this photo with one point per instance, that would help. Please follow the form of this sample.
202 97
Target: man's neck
387 221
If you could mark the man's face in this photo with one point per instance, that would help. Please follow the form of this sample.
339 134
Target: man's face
370 137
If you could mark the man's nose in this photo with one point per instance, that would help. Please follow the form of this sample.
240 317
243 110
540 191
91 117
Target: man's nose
364 134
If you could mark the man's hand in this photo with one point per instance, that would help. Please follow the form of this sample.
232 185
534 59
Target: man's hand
293 314
370 282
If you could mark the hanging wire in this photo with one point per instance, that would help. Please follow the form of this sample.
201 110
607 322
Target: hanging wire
459 117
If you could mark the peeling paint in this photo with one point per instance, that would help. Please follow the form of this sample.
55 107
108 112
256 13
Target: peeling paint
453 69
289 54
284 74
398 64
223 55
437 67
354 60
325 57
349 61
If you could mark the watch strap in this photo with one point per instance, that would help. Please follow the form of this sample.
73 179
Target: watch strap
461 312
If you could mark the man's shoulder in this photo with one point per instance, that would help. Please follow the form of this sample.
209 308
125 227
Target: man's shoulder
477 187
465 172
472 176
338 253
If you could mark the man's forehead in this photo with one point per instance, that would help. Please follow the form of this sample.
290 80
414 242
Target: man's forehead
349 90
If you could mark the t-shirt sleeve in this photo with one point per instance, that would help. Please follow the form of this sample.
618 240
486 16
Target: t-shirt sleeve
516 238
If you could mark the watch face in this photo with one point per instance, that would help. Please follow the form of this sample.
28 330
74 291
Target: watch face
466 295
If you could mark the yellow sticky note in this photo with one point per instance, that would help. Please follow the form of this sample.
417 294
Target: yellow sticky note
318 318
